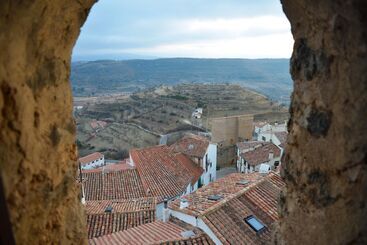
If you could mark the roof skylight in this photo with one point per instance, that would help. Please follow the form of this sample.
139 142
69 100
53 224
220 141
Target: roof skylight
215 197
254 223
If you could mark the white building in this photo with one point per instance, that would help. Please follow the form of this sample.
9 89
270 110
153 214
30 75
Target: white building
197 113
265 131
91 161
202 152
252 155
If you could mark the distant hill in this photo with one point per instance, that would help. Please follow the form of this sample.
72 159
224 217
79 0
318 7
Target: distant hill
268 76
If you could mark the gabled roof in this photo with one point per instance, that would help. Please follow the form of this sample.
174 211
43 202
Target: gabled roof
282 137
248 145
225 187
191 145
122 205
157 232
91 157
260 154
227 220
122 165
123 184
106 217
164 174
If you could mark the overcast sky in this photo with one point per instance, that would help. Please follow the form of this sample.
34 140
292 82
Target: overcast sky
185 28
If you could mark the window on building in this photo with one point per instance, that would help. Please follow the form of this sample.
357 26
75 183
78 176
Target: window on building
254 223
263 138
207 163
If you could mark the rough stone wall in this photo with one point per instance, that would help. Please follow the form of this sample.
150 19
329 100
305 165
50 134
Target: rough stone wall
326 157
37 131
325 163
228 130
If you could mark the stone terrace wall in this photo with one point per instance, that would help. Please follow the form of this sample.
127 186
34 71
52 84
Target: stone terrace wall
326 157
37 131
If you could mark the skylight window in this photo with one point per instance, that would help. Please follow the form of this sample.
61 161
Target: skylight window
243 182
108 209
215 197
254 223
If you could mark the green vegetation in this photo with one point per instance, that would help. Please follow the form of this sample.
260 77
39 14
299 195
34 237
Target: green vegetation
268 76
139 119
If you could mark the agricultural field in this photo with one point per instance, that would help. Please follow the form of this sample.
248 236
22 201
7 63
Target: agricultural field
113 124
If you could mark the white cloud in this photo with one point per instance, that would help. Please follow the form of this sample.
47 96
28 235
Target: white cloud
264 24
274 46
252 37
258 37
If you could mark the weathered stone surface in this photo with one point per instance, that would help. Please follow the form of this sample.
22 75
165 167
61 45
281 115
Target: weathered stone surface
37 132
325 163
326 157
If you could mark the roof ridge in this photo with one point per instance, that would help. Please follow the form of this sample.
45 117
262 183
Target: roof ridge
239 193
229 198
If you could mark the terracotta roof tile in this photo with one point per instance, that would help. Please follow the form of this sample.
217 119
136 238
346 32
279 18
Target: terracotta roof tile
119 206
164 173
109 168
113 185
91 157
157 232
201 239
191 145
107 223
282 137
248 145
260 154
125 214
226 187
152 233
227 220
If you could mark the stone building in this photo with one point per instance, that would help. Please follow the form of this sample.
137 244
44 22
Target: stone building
226 132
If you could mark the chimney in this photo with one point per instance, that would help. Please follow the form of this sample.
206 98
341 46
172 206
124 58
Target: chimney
183 203
165 210
271 155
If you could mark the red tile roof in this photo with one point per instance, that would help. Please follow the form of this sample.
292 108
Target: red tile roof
226 187
157 232
260 154
151 233
107 223
164 173
113 185
201 239
109 168
191 145
91 157
248 145
227 220
123 205
125 214
282 137
192 168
